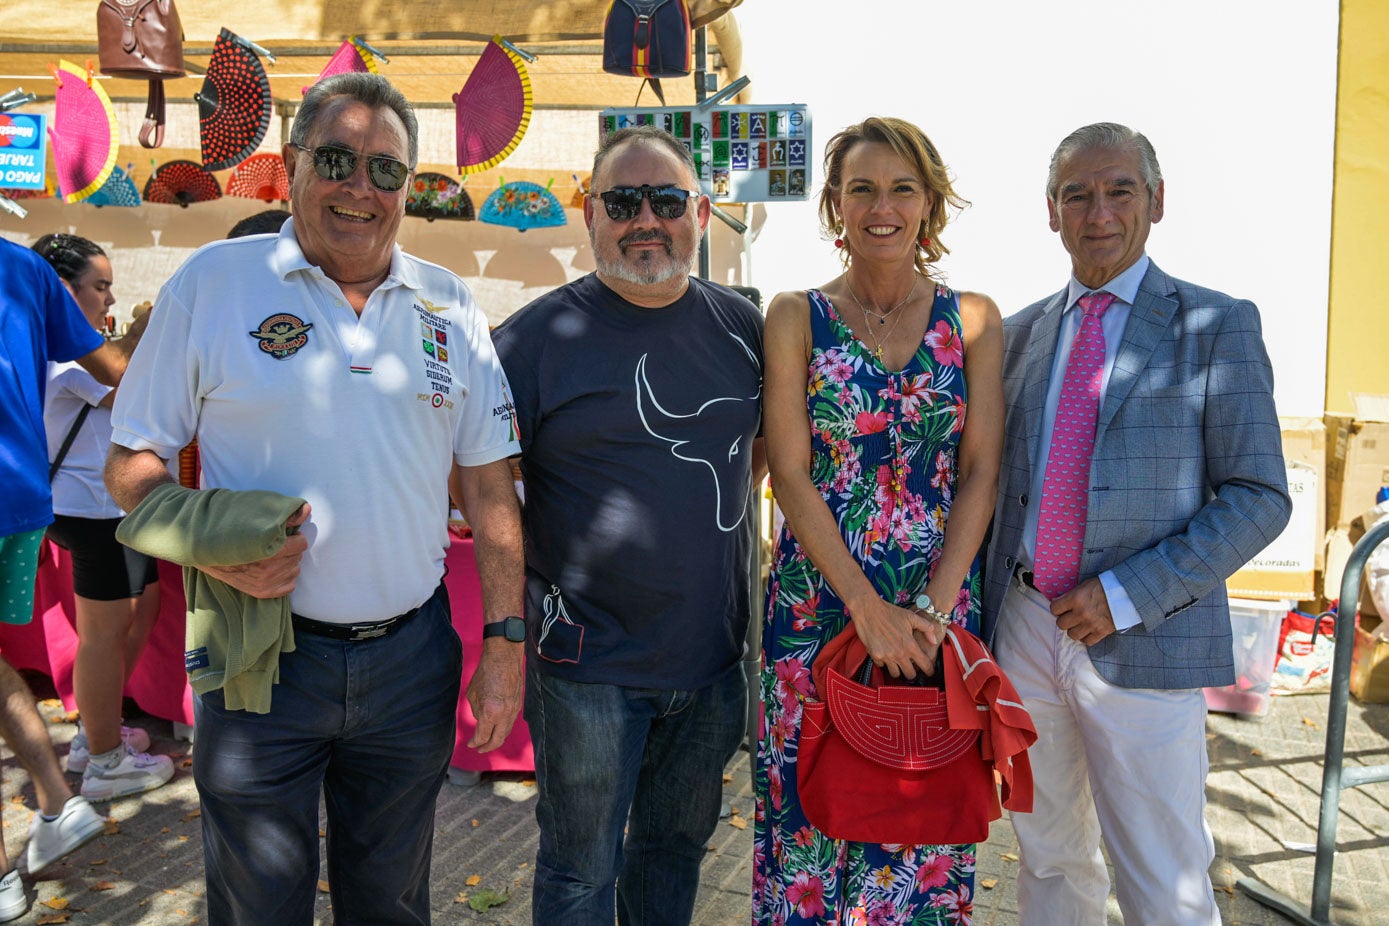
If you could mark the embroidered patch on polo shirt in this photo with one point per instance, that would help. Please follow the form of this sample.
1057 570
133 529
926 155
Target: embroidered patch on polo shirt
282 335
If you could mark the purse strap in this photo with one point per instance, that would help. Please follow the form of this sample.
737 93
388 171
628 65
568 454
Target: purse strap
67 441
154 117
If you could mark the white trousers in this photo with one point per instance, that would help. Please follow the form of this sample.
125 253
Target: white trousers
1126 765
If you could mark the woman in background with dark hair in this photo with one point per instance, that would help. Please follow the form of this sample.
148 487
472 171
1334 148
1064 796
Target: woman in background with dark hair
887 487
116 589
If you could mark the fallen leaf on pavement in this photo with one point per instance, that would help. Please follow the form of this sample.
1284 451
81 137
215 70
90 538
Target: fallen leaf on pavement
1310 722
322 886
103 885
988 884
56 903
49 919
473 880
461 898
475 823
727 779
1009 856
192 815
485 900
738 823
112 827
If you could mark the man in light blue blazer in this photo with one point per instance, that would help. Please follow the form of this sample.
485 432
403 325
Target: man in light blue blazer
1183 484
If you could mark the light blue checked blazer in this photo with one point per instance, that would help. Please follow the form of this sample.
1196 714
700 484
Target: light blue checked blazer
1187 480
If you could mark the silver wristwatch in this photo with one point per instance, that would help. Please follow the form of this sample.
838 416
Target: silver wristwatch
923 604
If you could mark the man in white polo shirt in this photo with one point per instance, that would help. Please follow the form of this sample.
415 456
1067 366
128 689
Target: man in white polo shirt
325 363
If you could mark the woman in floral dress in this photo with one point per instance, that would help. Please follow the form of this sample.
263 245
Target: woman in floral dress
887 487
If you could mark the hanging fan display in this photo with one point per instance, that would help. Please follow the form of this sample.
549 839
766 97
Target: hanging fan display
84 136
119 190
577 200
48 191
352 55
522 205
436 196
179 183
493 109
234 105
261 176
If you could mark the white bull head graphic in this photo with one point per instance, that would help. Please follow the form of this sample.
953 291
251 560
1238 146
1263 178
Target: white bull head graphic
723 456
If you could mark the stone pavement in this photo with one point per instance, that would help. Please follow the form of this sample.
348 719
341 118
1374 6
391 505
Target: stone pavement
1264 789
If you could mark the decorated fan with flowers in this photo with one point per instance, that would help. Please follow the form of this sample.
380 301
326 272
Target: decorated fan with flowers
436 196
523 205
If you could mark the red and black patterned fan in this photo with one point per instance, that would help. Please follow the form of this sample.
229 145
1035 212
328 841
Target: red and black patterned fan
234 105
261 176
179 183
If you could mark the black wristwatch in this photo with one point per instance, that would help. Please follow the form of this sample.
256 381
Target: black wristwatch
513 628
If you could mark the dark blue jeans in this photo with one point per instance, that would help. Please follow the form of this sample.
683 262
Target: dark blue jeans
370 724
609 757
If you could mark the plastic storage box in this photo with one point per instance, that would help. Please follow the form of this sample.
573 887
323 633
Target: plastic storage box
1255 626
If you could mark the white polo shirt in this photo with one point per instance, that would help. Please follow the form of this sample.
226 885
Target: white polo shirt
259 355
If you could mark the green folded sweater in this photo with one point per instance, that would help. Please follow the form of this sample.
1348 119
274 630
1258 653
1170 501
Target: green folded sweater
233 641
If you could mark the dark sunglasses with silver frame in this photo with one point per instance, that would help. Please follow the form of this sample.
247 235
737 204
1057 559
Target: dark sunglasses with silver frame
335 163
623 203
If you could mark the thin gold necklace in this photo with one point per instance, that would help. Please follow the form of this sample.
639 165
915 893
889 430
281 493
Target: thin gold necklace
882 319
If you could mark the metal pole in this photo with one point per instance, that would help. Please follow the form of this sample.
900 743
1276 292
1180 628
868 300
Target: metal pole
1334 777
701 63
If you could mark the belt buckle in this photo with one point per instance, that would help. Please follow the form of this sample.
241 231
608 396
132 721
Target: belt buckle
370 632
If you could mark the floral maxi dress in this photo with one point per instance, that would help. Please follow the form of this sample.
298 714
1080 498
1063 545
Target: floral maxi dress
883 455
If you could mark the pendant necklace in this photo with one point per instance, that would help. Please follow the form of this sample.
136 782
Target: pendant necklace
882 319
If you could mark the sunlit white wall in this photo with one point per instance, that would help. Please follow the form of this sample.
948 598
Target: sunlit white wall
1237 96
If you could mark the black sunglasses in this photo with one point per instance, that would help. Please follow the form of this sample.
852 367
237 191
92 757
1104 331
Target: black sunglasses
624 203
337 164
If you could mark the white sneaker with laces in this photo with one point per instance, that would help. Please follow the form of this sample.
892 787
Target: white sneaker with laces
134 773
13 901
49 840
79 753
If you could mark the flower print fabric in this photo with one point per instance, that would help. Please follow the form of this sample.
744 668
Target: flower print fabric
883 455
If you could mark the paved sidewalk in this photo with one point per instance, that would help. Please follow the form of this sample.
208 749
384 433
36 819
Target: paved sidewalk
1264 789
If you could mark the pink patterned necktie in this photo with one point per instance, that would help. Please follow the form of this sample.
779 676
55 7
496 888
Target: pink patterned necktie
1061 520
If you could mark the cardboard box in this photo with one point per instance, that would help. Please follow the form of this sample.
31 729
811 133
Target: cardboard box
1287 567
1369 675
1357 458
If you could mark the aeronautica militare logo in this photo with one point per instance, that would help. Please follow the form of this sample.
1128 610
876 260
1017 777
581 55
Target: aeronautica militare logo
282 335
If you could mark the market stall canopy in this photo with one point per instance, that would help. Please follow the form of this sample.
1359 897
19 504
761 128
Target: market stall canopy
432 45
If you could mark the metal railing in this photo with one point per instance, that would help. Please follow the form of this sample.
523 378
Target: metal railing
1335 776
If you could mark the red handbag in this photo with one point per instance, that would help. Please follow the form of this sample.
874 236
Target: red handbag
880 763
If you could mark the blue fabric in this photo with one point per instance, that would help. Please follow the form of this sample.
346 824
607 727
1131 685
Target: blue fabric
648 759
39 322
371 725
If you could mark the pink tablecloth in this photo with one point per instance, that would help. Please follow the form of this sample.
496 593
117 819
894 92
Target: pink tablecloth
159 685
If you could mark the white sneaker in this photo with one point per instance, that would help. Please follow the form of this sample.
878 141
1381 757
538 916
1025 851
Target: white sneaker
13 901
135 772
50 840
79 753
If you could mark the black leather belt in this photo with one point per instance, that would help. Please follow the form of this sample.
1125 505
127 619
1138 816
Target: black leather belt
355 632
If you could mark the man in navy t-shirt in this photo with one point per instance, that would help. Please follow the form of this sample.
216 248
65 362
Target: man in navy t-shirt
39 322
638 399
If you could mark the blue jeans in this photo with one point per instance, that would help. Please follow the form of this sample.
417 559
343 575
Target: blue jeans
648 759
370 724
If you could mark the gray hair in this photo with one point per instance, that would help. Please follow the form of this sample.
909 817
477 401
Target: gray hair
650 135
370 89
1109 135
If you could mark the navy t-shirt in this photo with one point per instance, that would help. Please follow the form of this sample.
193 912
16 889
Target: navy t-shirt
637 427
39 322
